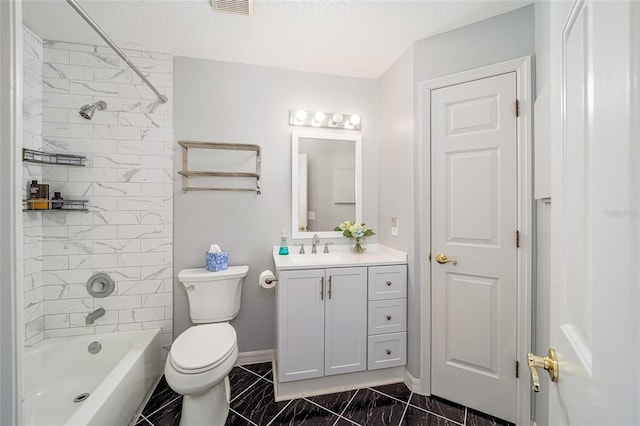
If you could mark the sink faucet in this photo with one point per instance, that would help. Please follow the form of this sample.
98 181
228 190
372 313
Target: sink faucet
93 316
314 243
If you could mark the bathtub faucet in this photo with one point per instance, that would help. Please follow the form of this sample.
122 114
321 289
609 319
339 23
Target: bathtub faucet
93 316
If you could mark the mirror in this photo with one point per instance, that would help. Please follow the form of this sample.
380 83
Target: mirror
326 182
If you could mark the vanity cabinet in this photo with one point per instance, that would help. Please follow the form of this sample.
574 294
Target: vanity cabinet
322 322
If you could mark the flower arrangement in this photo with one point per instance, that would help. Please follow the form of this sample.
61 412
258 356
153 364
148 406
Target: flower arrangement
356 231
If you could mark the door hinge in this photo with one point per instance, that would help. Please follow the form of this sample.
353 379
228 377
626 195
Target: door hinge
517 369
517 108
518 239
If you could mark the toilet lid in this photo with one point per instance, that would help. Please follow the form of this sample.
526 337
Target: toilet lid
202 347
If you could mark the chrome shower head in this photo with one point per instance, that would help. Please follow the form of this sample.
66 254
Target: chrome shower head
88 110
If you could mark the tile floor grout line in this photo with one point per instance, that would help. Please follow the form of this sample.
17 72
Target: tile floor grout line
345 419
252 372
389 396
161 407
279 412
145 419
235 412
442 416
244 390
324 408
349 403
406 407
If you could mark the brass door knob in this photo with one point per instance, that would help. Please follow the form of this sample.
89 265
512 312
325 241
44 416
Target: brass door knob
549 363
442 258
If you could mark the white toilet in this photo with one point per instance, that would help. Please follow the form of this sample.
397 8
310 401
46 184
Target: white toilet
201 358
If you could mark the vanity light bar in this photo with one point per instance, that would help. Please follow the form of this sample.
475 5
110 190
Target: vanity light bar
332 120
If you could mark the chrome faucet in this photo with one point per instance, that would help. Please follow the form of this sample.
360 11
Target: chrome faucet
93 316
314 243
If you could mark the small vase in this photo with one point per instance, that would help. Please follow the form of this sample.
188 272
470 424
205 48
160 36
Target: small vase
359 245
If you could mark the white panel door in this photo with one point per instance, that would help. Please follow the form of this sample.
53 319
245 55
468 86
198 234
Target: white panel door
300 313
346 320
595 217
474 218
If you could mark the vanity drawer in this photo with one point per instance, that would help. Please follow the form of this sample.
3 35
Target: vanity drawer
387 282
387 350
387 316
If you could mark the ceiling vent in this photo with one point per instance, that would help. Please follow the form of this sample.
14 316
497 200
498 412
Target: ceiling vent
239 7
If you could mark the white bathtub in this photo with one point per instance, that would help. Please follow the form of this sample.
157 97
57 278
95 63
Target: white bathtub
117 378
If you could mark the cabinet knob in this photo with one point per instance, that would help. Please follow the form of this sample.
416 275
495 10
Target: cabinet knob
388 351
388 317
389 283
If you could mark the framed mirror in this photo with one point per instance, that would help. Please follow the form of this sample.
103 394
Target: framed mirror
326 182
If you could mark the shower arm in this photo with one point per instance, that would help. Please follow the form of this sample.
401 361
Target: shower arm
163 99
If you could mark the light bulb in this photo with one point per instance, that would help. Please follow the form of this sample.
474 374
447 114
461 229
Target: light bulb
337 118
301 115
355 119
320 116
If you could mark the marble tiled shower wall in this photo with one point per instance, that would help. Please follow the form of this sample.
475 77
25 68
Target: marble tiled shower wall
32 223
128 181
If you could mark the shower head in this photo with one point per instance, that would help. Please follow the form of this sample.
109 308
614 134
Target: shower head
88 110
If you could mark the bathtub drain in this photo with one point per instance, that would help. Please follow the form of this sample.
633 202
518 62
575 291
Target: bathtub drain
81 397
94 347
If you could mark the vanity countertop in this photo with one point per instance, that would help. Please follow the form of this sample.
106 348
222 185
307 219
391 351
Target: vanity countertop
339 256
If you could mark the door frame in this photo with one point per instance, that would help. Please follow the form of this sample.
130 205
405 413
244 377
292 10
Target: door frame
522 67
11 330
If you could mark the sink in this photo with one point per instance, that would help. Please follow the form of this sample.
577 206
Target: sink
340 256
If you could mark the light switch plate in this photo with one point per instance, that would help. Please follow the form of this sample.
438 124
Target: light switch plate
394 226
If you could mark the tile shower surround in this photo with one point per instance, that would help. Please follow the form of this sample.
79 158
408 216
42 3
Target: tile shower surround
252 404
128 181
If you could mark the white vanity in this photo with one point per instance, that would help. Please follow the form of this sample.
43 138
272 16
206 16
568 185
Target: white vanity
341 320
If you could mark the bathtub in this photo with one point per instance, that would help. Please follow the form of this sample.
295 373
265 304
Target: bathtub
117 379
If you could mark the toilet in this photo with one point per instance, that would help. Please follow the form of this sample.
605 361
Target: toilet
202 357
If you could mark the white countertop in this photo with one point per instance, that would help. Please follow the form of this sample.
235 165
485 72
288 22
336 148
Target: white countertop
339 256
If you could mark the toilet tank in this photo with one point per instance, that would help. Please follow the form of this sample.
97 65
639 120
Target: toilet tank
213 296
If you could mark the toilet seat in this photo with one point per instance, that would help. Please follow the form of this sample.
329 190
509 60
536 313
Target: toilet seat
202 347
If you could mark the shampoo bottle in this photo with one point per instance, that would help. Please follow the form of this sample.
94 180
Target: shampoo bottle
284 249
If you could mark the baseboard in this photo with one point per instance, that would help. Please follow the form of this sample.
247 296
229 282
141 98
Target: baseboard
413 383
255 357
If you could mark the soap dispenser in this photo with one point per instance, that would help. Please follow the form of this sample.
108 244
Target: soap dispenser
284 249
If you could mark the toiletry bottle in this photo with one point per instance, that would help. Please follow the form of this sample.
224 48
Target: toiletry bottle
43 197
284 249
57 201
34 188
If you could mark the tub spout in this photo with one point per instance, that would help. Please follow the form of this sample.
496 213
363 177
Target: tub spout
93 316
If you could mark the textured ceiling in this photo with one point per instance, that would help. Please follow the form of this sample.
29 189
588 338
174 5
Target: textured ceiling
359 38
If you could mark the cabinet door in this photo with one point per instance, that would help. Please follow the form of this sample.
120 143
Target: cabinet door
300 324
345 321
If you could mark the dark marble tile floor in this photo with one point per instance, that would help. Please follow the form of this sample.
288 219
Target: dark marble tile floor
252 404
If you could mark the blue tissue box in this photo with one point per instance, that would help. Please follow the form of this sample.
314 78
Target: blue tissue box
217 261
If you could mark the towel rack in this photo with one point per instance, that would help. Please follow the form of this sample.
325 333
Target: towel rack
186 173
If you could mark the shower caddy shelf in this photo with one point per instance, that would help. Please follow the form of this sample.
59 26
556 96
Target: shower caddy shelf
56 159
52 158
186 173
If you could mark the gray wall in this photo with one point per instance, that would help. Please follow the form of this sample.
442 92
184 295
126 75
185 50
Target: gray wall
402 178
395 183
225 102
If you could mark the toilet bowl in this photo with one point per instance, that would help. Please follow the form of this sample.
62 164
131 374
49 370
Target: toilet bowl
201 358
197 368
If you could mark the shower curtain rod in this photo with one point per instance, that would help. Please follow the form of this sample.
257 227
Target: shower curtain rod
105 37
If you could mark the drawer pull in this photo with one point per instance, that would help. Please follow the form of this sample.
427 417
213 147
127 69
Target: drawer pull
388 317
389 283
388 351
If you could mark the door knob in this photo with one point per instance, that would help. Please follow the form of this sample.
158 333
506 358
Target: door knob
442 258
549 363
